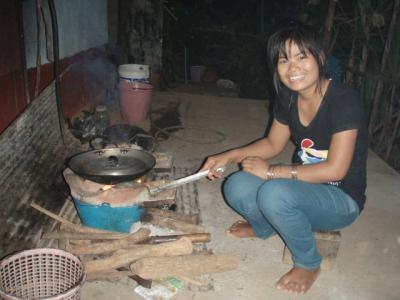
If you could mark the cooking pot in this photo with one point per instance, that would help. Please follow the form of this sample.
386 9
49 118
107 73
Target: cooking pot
112 165
125 133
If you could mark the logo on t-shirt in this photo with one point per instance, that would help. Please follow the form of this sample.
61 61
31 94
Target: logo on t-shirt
310 155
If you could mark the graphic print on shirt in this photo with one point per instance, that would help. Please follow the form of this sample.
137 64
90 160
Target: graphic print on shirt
310 155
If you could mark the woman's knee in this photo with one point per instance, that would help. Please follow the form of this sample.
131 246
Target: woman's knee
240 186
277 195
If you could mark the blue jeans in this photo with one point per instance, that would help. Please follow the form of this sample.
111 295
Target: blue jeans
291 208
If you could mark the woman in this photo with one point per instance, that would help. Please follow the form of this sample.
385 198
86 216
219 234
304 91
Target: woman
324 189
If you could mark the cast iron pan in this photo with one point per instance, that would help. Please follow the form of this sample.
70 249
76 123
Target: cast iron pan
113 165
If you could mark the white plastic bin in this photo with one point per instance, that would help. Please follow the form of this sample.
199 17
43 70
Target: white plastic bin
133 72
196 73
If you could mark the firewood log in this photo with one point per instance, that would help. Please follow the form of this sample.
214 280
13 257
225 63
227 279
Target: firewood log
104 247
188 218
184 265
172 224
125 257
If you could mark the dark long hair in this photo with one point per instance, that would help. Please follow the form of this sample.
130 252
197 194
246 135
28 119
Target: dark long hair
305 39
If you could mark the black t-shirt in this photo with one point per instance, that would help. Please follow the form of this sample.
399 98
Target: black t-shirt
341 109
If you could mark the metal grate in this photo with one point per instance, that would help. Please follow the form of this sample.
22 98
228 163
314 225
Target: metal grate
43 273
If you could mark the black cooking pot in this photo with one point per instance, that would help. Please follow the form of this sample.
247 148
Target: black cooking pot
113 165
125 133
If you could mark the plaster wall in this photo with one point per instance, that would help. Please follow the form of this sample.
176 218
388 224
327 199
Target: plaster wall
82 25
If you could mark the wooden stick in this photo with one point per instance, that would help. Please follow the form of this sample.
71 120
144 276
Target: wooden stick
90 230
104 247
110 274
62 243
180 247
51 215
80 242
194 238
188 218
83 235
173 224
184 265
67 223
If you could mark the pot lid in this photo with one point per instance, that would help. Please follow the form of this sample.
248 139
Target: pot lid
112 163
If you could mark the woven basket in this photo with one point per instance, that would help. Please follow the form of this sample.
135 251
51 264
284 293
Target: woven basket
43 273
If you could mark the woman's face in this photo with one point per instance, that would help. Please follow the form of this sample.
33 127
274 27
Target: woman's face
298 72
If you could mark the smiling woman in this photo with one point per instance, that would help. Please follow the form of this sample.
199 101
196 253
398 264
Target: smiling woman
294 47
298 70
324 188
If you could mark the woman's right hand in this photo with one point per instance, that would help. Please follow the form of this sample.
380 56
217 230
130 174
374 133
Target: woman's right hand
214 162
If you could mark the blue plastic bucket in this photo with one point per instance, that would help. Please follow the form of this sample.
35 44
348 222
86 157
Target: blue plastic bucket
105 216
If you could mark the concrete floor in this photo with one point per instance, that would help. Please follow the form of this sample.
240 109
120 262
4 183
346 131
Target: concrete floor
369 257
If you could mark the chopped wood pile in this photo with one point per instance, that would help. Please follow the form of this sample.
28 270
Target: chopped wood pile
140 255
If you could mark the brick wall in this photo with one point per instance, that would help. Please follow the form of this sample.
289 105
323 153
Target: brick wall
32 157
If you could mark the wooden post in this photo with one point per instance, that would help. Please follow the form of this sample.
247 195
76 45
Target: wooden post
329 23
385 56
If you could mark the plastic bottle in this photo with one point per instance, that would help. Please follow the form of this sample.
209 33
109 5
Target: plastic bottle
101 118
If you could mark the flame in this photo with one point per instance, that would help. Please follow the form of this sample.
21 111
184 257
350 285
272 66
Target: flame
107 187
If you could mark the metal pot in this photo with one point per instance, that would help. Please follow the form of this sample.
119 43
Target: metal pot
129 134
112 165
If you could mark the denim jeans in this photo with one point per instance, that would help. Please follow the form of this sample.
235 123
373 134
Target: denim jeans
291 208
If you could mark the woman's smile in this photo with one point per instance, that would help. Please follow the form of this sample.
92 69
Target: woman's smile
297 77
298 70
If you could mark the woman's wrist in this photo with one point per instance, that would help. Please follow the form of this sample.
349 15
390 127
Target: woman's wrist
275 171
268 173
272 172
236 155
293 172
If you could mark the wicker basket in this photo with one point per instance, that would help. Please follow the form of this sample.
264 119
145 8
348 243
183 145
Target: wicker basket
43 273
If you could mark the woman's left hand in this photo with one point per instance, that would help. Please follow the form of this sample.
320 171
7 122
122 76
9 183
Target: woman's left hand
256 166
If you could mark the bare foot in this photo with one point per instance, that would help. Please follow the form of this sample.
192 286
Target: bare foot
241 229
297 281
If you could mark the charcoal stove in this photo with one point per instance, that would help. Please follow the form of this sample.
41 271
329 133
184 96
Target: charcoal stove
118 206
